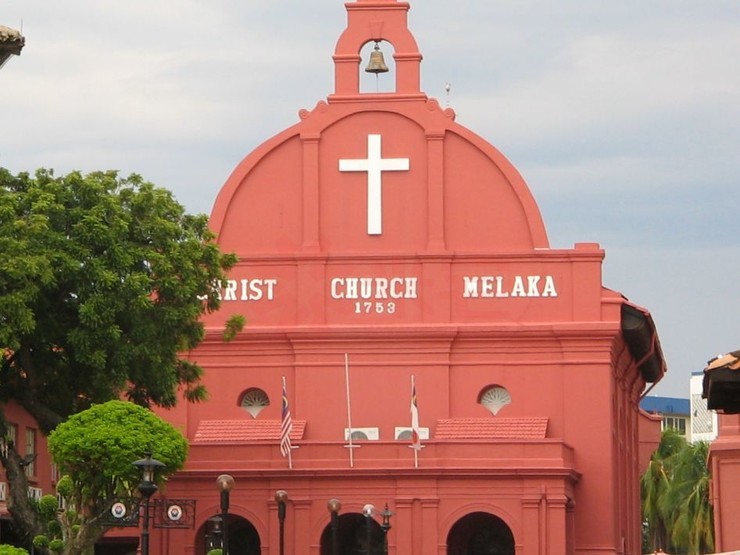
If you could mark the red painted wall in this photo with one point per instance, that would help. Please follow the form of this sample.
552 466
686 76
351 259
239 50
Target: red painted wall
724 461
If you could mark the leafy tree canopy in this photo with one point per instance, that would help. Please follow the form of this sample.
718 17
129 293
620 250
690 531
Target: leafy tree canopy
96 447
10 550
95 450
102 282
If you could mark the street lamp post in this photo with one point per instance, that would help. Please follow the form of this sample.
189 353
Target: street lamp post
334 507
386 525
281 496
225 484
214 539
147 488
368 511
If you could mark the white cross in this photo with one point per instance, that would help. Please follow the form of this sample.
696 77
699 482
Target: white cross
374 165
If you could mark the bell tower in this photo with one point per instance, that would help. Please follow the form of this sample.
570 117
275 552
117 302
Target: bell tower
376 21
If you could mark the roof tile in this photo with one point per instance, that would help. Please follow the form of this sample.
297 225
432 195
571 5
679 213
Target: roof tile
492 428
233 431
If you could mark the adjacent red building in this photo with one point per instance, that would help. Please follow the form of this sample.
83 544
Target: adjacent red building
380 243
24 434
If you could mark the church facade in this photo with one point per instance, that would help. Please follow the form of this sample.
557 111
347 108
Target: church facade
438 358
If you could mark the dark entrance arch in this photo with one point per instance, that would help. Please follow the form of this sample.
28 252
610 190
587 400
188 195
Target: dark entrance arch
243 536
480 534
353 536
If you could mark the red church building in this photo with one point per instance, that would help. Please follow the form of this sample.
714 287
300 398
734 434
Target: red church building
381 244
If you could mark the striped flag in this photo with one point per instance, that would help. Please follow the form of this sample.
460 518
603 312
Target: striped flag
415 438
286 428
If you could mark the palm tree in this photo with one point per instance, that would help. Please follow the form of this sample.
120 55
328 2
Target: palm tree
675 496
688 498
655 484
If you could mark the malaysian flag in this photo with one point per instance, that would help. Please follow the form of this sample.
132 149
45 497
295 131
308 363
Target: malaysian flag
415 439
286 428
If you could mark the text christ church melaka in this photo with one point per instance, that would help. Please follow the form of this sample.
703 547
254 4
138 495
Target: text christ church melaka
380 242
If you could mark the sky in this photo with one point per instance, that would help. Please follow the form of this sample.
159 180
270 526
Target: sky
622 117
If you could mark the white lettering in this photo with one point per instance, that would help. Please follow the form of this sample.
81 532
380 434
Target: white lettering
396 288
381 288
411 288
376 288
532 282
500 287
351 284
518 290
255 288
247 289
549 289
470 286
486 286
489 287
336 283
271 284
230 291
366 288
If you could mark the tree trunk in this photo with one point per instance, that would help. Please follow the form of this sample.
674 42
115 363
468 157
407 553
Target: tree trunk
25 394
20 505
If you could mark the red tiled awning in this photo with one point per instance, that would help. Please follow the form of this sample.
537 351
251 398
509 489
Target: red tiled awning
244 431
492 428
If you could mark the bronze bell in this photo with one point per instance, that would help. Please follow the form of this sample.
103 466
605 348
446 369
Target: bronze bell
377 62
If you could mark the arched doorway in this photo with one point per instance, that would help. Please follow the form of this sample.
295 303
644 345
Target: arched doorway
243 536
480 534
354 531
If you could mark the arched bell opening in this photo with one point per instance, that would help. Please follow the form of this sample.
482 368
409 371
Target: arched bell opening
367 22
480 533
243 536
355 532
377 67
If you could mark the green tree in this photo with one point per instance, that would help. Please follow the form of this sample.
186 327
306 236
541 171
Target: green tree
10 550
675 496
102 283
655 483
95 450
687 500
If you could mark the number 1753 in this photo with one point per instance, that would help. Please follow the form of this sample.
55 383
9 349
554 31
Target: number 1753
367 307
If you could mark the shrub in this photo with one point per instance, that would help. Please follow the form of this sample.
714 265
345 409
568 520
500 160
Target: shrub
10 550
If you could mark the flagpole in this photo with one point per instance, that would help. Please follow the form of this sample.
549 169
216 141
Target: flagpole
349 411
413 393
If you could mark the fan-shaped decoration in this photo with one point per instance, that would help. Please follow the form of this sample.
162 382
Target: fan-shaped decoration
254 401
495 398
